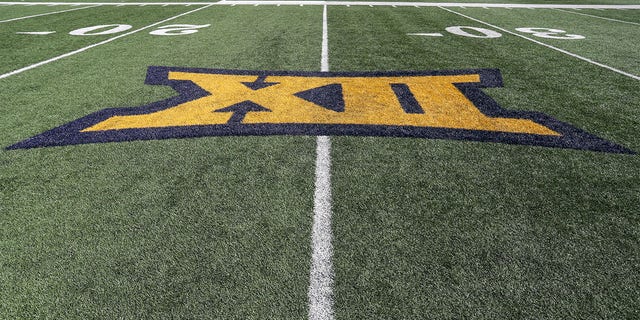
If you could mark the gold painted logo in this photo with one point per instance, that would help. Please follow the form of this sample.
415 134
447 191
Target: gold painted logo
426 104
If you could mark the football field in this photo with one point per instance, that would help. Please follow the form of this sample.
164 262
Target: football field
320 160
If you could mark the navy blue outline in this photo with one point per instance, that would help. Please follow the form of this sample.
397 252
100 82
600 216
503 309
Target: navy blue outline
69 134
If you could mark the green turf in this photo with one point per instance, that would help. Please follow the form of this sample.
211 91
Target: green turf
455 233
23 50
197 228
147 230
622 41
624 15
605 2
219 227
579 2
15 11
476 230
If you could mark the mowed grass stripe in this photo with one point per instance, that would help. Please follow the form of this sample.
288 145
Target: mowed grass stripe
68 54
197 228
454 229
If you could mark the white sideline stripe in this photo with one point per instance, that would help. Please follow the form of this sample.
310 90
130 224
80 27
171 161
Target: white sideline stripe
348 3
33 66
321 274
633 76
599 17
49 13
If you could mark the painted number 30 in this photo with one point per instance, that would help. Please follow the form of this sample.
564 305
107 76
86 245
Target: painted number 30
474 32
170 30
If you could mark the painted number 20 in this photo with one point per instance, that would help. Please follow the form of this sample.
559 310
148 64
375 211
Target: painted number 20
170 30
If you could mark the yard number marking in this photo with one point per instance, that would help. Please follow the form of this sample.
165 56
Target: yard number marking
627 74
476 32
177 29
169 30
550 33
484 33
183 29
92 31
445 104
74 52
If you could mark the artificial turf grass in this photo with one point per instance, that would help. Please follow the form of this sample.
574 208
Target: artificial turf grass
535 78
20 50
174 228
469 229
577 2
366 204
624 15
448 229
141 230
620 39
19 11
113 75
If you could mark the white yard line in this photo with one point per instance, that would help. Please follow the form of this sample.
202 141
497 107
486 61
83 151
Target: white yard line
41 63
49 13
321 274
599 17
346 3
632 76
324 61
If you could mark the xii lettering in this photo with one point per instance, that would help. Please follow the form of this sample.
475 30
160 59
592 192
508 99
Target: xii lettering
419 101
447 104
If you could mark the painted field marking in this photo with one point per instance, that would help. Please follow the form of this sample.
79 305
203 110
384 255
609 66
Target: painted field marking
426 34
321 275
632 76
599 17
345 3
36 32
324 57
490 34
41 63
49 13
